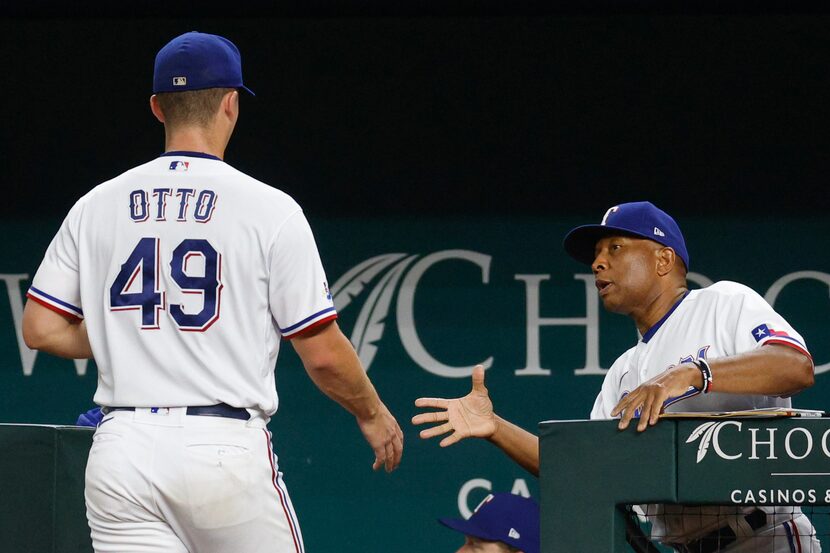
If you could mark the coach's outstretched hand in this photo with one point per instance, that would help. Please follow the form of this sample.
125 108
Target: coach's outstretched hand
465 417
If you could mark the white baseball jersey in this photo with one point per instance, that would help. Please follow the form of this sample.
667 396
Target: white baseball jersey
724 319
187 273
721 320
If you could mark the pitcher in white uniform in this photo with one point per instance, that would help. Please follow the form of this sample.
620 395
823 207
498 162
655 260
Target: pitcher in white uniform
716 349
180 277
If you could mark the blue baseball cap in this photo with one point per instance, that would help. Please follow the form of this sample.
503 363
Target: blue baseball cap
195 61
503 517
640 219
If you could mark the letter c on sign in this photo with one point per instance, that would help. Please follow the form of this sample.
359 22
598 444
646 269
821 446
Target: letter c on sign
716 440
406 318
464 493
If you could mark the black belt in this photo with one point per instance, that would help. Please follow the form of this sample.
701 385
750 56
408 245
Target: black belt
722 537
218 410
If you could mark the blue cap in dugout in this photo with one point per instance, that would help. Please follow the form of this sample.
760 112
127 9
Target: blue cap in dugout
640 219
503 517
195 61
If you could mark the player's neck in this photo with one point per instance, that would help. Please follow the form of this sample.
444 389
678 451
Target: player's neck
194 139
657 309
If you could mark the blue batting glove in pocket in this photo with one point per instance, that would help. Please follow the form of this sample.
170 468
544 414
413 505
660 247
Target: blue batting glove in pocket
90 418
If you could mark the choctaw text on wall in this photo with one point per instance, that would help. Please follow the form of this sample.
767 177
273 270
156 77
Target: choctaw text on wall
377 279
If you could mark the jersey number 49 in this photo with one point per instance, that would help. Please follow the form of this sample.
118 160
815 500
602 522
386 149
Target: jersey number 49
150 299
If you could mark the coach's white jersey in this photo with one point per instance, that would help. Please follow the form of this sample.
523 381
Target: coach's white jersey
724 319
187 273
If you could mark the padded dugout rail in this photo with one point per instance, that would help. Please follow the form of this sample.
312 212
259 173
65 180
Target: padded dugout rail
42 488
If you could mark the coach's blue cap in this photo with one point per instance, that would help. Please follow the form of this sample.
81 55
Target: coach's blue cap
640 219
503 517
195 61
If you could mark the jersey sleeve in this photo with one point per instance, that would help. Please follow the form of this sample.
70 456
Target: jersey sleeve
57 283
758 324
298 291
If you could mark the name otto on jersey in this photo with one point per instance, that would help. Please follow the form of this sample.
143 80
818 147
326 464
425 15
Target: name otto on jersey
143 203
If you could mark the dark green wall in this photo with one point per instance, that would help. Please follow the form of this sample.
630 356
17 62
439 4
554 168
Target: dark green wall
461 318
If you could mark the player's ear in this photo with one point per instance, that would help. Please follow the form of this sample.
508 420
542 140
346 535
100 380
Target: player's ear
230 103
156 108
666 260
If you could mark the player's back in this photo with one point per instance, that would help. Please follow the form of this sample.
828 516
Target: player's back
176 259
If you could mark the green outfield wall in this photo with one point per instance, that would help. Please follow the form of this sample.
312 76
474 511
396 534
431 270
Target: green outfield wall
424 300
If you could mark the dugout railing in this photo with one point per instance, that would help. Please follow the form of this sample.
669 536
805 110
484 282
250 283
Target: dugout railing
42 488
592 473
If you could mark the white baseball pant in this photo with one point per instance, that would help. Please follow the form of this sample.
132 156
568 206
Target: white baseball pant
162 481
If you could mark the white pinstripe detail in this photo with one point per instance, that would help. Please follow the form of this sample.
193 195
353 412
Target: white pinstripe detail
285 501
290 510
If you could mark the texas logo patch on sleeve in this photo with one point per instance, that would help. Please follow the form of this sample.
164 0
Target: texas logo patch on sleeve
764 331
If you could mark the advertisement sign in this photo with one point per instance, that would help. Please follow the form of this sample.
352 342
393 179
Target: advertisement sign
423 301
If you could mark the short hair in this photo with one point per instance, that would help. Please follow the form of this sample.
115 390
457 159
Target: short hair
191 107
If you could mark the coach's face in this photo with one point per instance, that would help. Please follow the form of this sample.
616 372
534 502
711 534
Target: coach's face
625 269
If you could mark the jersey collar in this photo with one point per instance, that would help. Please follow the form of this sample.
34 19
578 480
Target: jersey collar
653 330
190 154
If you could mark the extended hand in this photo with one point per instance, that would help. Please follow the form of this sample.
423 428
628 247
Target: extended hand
648 398
384 435
469 416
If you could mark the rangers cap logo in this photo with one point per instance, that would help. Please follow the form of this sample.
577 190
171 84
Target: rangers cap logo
607 213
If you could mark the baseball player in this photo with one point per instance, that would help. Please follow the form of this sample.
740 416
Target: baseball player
716 349
180 277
